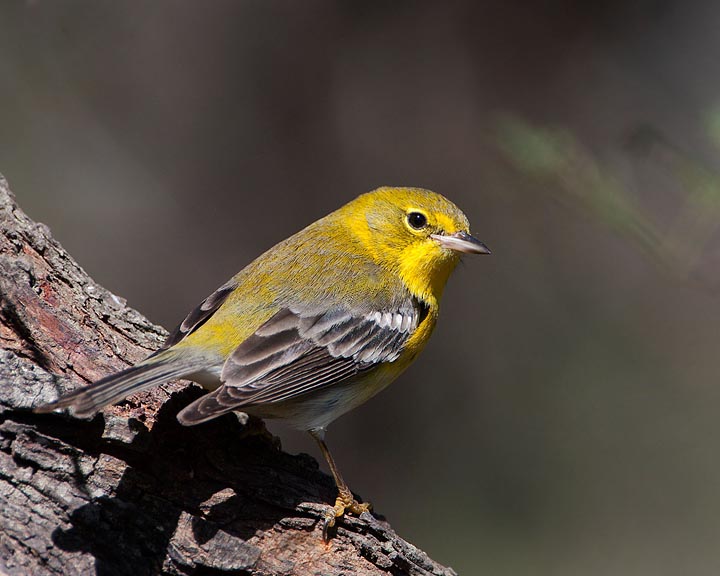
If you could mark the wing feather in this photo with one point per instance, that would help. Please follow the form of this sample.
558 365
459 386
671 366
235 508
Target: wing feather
293 354
200 315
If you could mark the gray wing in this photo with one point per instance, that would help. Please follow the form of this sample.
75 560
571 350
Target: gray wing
293 354
200 315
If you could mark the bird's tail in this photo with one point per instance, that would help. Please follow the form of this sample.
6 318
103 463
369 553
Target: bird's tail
152 371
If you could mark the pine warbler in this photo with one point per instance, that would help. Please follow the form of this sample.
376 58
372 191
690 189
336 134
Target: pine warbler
315 326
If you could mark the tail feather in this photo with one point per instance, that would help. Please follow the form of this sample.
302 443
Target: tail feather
111 389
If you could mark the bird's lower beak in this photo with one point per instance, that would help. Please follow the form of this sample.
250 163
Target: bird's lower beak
461 242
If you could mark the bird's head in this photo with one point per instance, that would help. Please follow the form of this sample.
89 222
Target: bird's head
415 233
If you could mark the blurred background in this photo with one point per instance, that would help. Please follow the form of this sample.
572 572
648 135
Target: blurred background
563 419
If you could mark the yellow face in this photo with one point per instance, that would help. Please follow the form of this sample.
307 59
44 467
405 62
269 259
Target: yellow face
416 233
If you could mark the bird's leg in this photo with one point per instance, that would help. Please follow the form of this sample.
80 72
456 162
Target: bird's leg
345 500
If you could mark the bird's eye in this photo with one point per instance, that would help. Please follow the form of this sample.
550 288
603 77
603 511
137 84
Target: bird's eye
417 220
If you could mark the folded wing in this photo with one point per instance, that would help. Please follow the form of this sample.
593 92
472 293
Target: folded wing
294 354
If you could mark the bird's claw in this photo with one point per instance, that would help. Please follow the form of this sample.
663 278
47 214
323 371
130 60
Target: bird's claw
344 503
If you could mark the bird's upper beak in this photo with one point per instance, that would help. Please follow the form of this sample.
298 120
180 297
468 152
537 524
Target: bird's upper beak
461 242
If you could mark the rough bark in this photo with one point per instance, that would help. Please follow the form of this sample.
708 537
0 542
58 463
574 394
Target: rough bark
132 491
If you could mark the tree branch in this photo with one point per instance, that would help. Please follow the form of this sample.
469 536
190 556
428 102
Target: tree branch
132 491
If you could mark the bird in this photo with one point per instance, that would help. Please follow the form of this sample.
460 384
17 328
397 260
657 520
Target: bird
315 326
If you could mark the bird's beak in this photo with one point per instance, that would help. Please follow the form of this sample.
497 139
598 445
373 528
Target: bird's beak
461 242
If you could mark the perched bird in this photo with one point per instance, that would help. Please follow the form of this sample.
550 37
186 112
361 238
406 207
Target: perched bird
315 326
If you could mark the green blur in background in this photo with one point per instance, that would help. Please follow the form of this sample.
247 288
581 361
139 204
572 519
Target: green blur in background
563 419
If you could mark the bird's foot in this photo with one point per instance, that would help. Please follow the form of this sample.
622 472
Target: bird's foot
344 503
